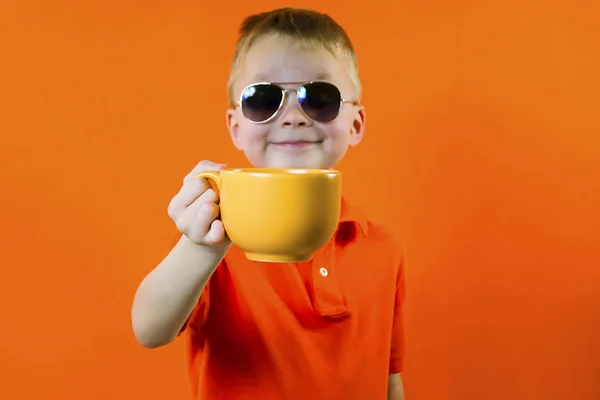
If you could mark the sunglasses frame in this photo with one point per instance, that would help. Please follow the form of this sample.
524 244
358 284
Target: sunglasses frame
284 92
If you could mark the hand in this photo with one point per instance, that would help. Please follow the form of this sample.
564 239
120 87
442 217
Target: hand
195 208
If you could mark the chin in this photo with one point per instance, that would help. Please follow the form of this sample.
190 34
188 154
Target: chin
295 163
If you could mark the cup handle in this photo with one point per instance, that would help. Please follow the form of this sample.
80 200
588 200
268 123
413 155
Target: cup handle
212 175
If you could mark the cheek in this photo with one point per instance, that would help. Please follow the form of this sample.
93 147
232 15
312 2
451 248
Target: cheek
341 127
338 131
252 134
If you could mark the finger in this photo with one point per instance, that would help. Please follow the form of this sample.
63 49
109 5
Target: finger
209 196
187 195
204 218
201 167
216 233
192 190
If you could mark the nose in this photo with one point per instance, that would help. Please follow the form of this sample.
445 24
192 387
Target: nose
291 112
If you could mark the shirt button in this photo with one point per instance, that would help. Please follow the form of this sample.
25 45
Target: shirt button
324 272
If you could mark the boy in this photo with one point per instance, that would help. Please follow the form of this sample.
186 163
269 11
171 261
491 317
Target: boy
330 328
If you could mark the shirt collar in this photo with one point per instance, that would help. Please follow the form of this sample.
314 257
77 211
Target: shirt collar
350 213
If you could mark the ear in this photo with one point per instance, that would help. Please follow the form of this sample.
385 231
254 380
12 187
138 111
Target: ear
233 126
358 125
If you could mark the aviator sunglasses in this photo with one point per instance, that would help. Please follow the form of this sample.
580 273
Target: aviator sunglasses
320 101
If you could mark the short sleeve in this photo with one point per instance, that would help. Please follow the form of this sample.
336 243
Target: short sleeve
398 348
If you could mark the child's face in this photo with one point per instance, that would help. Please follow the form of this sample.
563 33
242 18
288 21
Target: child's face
291 139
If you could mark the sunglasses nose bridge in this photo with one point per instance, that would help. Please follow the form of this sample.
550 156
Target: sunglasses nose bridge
285 91
293 103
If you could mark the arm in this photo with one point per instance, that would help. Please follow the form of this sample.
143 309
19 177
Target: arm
395 387
167 295
398 350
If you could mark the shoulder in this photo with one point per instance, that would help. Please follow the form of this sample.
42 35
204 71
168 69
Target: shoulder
374 237
375 252
376 249
390 255
382 237
381 232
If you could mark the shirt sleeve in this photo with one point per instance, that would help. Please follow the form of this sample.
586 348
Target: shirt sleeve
398 348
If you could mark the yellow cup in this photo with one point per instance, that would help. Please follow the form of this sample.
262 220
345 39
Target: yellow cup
278 214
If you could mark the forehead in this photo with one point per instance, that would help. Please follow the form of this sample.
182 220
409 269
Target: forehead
276 58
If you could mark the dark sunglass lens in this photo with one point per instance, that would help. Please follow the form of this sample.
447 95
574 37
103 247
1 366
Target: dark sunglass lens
260 102
320 101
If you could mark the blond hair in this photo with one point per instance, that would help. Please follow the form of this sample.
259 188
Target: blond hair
307 27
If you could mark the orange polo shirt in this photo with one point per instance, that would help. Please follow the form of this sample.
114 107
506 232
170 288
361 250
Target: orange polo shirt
330 328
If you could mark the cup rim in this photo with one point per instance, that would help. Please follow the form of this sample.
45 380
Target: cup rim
282 171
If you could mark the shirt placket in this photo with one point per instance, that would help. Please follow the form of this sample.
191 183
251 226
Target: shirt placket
328 299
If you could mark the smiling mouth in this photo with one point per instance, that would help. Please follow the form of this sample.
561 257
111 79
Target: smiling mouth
296 143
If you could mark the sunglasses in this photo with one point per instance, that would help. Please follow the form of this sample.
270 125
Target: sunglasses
320 101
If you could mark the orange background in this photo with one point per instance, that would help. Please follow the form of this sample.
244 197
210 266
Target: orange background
482 151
